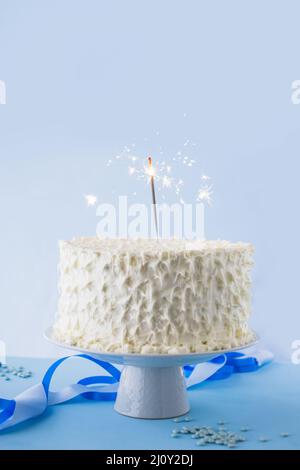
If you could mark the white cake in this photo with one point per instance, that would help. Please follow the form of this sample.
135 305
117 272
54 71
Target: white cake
149 296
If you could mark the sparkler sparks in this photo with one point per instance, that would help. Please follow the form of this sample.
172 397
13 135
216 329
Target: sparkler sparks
205 194
166 181
90 199
169 173
205 177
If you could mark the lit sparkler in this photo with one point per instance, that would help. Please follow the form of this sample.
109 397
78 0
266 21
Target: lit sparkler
163 173
151 173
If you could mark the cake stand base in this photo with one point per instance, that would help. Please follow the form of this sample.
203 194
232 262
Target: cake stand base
152 392
152 386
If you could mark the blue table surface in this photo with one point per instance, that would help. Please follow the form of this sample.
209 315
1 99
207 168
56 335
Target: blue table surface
267 401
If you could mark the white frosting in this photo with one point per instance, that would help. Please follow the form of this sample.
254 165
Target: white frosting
150 296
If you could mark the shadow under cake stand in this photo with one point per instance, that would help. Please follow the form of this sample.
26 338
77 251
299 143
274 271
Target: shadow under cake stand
152 386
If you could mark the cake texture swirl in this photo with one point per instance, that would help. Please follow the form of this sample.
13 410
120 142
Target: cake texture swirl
150 296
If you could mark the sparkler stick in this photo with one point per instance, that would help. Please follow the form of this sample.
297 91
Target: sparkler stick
151 173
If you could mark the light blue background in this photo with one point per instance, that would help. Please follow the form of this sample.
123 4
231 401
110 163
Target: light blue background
86 77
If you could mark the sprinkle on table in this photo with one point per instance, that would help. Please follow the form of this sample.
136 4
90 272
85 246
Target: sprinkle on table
208 435
7 373
264 439
284 434
245 429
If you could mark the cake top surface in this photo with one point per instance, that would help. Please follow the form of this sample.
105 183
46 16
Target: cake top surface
141 245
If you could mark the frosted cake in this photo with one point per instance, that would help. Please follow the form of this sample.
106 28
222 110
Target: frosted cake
150 296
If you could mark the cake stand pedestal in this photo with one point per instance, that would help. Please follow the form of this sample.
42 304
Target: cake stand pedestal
152 386
152 392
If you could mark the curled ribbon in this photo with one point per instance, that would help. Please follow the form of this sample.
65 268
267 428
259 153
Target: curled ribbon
34 401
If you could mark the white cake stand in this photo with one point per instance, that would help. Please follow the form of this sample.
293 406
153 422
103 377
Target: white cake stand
152 386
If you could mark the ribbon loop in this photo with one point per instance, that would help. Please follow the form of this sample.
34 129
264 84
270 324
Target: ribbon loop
115 373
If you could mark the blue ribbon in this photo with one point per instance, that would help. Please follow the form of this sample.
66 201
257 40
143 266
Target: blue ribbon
8 407
115 378
36 399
